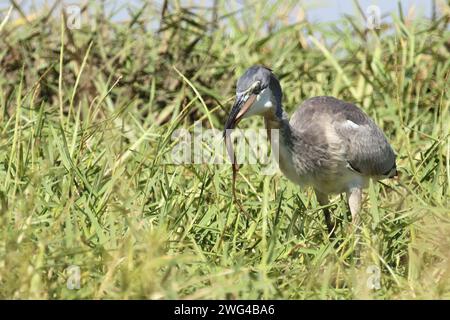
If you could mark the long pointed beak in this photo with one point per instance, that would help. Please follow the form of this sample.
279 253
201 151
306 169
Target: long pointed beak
241 105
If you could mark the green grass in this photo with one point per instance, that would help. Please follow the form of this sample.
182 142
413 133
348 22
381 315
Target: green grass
85 127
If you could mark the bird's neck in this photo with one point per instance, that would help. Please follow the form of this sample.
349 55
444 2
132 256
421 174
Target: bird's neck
280 133
277 120
283 137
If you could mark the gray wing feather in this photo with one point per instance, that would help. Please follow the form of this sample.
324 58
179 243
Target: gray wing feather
367 149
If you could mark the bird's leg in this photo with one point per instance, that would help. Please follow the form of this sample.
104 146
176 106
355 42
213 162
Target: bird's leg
354 196
323 201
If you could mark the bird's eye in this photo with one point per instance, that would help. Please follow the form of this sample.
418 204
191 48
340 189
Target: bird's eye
256 87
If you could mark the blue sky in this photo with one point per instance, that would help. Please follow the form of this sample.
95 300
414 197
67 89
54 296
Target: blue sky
317 10
329 10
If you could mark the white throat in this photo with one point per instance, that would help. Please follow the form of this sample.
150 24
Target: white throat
263 103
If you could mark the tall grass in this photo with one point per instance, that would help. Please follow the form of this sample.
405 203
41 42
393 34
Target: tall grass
86 118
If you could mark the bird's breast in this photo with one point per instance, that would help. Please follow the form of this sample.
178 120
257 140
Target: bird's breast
286 163
321 166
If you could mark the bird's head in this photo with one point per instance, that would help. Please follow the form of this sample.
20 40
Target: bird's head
258 92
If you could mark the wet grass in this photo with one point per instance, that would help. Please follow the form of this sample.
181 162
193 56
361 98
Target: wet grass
86 120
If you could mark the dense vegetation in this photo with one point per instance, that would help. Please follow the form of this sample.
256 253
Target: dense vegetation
86 118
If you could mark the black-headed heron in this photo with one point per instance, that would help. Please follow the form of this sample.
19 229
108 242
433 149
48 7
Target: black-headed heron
328 144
